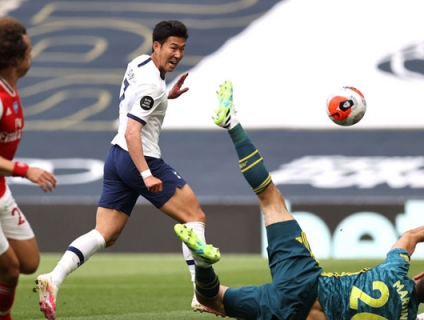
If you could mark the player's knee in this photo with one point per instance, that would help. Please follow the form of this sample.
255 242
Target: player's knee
29 266
29 269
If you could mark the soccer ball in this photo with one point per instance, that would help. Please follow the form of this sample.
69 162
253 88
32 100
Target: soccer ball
346 106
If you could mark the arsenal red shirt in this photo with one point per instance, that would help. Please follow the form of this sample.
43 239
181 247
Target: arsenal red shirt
11 124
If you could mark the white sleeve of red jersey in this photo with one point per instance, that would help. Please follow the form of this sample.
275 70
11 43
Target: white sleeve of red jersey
420 316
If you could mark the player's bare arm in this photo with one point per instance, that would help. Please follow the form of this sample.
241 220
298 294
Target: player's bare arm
176 90
135 148
43 178
6 167
410 239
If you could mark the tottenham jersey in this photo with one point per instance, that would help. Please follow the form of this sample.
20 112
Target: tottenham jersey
143 98
11 124
383 292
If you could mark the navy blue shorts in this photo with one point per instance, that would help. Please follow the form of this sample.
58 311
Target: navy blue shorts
123 184
294 286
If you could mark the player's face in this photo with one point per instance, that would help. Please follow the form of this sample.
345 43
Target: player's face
170 53
25 64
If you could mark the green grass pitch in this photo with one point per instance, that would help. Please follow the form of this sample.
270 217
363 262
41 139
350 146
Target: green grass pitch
141 286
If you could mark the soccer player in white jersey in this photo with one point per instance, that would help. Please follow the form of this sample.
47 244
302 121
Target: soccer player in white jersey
134 165
18 246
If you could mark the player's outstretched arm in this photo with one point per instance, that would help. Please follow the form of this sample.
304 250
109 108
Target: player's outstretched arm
410 239
43 178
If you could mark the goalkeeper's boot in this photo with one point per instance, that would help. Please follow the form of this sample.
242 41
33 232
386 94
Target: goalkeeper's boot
205 252
225 115
197 306
47 291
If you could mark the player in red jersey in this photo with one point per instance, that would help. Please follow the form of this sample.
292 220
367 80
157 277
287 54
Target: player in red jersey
18 247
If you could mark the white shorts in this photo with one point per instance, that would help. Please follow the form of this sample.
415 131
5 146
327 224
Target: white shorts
13 224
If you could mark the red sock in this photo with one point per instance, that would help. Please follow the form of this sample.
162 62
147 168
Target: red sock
7 295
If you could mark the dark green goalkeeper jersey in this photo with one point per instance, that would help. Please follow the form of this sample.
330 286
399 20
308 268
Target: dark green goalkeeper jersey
383 292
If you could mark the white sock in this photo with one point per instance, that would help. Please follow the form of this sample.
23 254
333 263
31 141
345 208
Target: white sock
233 121
199 230
79 251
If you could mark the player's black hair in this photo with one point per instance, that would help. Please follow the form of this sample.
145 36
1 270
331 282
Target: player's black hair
13 49
169 28
419 289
